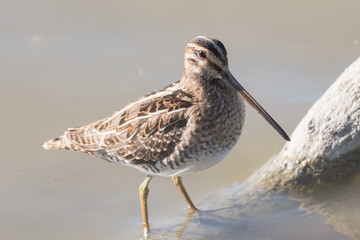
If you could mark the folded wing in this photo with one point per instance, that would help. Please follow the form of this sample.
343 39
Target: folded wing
144 132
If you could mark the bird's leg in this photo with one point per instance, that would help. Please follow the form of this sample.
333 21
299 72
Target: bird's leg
178 182
144 192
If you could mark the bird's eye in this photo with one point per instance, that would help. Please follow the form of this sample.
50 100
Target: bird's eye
201 54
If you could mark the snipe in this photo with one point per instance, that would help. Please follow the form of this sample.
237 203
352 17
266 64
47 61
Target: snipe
184 128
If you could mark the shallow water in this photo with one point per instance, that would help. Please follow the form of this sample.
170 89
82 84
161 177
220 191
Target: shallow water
68 63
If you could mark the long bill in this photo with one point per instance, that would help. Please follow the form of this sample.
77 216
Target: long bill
249 99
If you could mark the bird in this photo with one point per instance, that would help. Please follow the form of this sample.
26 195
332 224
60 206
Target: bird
184 128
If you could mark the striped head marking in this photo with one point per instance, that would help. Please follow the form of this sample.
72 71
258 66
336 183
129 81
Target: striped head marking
206 56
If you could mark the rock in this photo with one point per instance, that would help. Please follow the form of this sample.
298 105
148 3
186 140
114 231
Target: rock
325 146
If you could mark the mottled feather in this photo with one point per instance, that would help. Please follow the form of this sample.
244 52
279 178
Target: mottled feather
143 132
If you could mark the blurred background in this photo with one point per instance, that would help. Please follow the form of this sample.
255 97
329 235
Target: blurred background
68 63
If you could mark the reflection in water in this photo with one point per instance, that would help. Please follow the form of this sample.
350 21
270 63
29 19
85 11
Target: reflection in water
339 203
255 213
243 213
180 231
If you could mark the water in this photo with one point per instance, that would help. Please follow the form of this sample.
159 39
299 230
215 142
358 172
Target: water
68 63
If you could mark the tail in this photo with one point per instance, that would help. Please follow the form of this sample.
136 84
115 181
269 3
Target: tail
56 143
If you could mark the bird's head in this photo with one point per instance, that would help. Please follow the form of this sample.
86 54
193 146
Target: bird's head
206 59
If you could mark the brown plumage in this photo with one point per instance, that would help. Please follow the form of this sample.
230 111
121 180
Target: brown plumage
183 128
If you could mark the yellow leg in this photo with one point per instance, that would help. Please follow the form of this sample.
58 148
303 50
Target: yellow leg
178 182
144 192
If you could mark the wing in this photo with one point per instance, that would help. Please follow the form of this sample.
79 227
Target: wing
143 132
